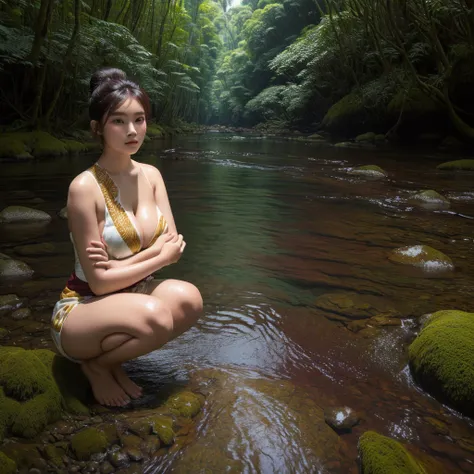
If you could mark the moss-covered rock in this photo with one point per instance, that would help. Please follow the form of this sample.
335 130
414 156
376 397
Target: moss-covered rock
162 426
7 465
442 358
186 404
413 104
54 454
11 147
422 256
34 390
466 165
343 112
88 442
429 199
369 171
25 456
155 131
366 137
73 146
382 455
46 145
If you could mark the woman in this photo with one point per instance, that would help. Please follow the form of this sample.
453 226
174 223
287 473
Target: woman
122 229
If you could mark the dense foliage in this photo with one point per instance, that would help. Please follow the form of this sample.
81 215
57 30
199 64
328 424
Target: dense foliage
347 66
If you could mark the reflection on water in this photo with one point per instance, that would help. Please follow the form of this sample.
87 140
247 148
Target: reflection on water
270 227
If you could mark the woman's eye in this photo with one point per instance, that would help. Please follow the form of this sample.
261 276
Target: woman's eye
117 121
140 119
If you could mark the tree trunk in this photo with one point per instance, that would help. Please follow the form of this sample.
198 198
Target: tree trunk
67 57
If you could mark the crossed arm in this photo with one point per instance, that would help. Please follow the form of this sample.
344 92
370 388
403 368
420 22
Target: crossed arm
106 276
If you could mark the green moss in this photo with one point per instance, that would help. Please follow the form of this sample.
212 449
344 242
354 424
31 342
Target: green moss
7 465
46 145
366 137
371 171
54 454
11 147
88 442
72 146
185 404
154 131
422 256
467 165
35 390
442 358
349 106
163 427
382 455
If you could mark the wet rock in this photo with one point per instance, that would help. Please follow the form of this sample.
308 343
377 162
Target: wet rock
23 214
25 456
465 165
429 199
369 171
381 454
352 306
186 404
130 441
7 465
36 249
106 468
9 303
341 419
422 256
366 137
20 314
87 442
63 213
54 455
118 459
3 333
441 359
162 426
134 454
151 444
14 269
35 387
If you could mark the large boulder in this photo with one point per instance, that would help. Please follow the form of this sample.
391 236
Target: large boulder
442 358
13 269
36 387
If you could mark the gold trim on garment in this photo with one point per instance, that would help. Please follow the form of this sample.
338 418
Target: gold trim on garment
160 228
119 216
59 318
67 293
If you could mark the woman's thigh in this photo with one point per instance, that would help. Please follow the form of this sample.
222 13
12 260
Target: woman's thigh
182 298
136 315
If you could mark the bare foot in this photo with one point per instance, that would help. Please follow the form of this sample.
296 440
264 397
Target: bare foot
131 388
104 386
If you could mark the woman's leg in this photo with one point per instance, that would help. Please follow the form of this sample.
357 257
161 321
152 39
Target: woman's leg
183 299
106 331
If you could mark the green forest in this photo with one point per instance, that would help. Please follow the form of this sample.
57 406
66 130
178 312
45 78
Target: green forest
401 68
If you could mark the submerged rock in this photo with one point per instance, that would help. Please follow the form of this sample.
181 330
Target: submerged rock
442 358
422 256
379 454
466 165
341 419
429 199
9 303
23 214
88 442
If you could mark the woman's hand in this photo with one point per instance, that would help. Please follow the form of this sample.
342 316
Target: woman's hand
97 252
173 249
162 239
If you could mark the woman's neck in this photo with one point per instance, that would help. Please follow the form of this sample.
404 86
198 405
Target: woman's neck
115 163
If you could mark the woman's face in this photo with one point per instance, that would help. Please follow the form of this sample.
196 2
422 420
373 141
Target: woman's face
125 128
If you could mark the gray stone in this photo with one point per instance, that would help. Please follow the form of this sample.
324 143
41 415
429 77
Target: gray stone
341 419
9 303
23 214
20 314
14 269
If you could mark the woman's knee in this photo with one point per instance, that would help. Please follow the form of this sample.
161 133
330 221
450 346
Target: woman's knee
184 293
155 318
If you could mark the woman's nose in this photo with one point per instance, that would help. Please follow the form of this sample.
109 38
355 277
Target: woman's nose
131 129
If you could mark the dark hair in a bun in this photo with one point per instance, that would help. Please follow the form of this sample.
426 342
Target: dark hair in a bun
109 88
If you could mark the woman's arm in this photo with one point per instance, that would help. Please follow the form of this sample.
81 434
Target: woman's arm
83 221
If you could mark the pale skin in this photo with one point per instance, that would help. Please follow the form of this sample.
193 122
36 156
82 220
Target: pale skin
113 328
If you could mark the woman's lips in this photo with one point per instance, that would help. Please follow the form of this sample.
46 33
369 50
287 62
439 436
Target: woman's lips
133 142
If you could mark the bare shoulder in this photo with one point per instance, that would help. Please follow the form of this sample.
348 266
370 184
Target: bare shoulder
152 173
82 186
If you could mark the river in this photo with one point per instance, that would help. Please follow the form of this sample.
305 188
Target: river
272 225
